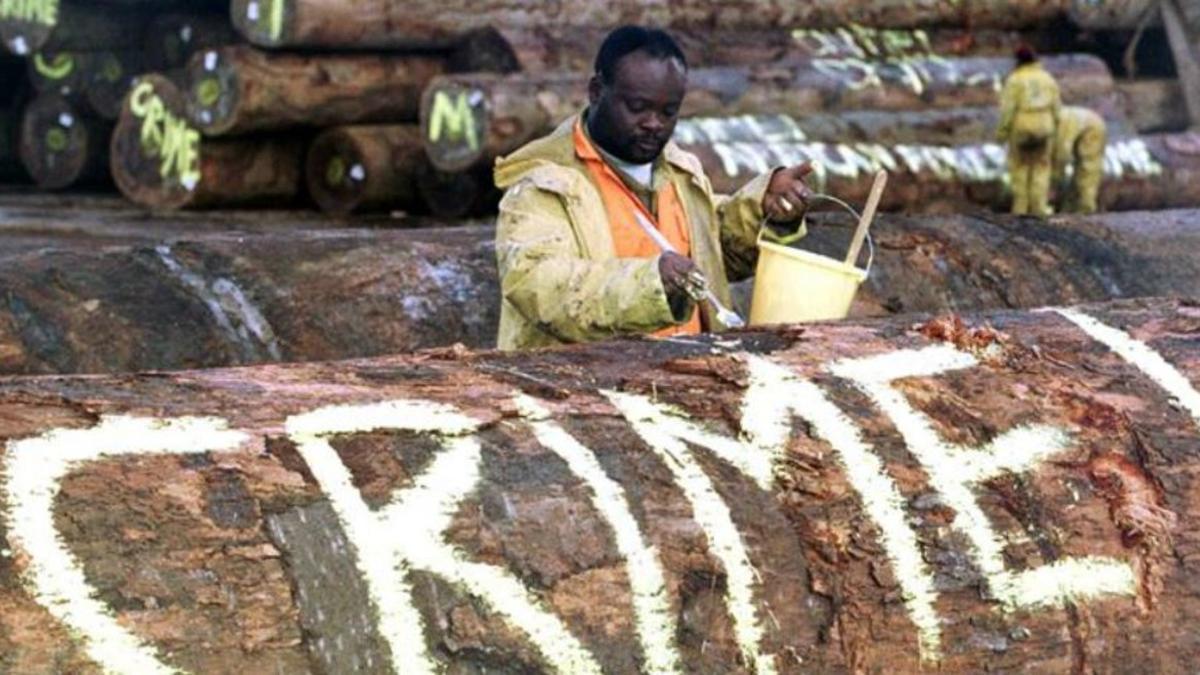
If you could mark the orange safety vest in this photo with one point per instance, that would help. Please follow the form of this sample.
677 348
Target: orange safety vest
629 239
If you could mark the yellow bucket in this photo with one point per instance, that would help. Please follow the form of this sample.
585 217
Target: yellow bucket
794 286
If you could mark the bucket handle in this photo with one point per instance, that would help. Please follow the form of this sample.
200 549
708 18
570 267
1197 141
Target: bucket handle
787 239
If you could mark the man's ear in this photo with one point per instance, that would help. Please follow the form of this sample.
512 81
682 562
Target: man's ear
595 90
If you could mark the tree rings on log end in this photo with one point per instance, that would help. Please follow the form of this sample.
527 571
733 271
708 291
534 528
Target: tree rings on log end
155 151
60 146
213 92
262 22
454 124
365 168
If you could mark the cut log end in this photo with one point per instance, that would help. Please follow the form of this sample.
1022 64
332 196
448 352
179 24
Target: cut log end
59 145
459 194
149 169
175 36
454 122
262 22
212 92
110 76
57 72
365 168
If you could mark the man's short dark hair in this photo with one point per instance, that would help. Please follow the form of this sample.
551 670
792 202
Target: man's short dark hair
629 39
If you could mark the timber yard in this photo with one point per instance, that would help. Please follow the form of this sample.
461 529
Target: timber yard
599 336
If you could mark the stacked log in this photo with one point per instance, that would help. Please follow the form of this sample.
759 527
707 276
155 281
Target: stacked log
159 160
121 292
774 501
390 24
1145 172
472 119
365 168
62 144
236 90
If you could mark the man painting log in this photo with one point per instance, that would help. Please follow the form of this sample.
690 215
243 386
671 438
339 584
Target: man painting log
1080 141
1029 110
577 256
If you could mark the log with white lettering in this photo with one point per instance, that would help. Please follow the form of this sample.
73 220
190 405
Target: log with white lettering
103 290
63 144
510 48
407 24
159 159
1140 173
30 26
234 90
1012 492
473 118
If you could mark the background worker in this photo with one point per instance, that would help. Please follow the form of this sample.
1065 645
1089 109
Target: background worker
1029 109
1080 141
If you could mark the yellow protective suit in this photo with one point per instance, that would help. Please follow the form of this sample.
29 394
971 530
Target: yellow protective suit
1081 139
1029 110
560 279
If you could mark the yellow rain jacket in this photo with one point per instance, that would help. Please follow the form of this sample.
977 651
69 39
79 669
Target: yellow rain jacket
1082 136
560 278
1029 108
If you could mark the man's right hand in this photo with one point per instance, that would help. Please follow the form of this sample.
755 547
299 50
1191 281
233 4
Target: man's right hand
674 270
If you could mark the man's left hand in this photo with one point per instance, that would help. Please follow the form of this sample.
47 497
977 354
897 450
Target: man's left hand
787 194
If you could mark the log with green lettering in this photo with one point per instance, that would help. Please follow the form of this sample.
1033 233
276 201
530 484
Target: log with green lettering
160 160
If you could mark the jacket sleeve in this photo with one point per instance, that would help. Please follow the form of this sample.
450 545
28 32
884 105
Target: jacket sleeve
544 277
741 216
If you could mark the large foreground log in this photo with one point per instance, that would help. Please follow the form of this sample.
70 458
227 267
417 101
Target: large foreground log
96 293
408 23
473 118
159 160
234 90
1146 172
62 144
854 497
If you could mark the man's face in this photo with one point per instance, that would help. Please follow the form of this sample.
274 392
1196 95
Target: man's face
634 116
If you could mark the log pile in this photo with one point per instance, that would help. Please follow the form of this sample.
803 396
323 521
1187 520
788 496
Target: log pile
1015 491
481 81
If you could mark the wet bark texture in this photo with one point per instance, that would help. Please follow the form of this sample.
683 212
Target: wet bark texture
233 560
474 118
401 23
147 297
235 90
93 293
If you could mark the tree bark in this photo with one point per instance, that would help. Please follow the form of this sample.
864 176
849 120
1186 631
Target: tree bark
161 298
63 145
241 521
159 160
472 119
91 293
49 25
234 90
365 168
538 49
1145 172
406 24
